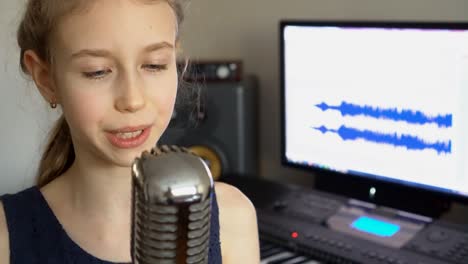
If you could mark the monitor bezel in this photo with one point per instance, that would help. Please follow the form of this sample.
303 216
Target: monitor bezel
391 193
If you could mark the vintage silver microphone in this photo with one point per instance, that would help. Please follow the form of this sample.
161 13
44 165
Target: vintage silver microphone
171 207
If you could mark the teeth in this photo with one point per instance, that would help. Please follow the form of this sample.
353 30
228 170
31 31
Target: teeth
128 135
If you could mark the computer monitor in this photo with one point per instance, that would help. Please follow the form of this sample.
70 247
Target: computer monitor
378 110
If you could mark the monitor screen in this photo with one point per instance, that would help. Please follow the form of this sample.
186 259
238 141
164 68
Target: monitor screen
383 101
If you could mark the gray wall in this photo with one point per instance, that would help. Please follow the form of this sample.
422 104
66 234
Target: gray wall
248 30
214 29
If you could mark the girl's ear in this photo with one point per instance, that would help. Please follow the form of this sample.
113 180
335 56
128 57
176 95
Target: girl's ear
41 75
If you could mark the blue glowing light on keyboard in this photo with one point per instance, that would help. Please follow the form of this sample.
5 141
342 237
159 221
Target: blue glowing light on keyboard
375 227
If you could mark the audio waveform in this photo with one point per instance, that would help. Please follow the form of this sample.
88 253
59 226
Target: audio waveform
408 141
406 115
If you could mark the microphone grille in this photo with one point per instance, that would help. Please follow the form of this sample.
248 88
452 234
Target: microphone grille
171 208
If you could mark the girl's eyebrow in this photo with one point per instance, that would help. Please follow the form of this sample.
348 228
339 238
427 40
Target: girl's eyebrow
107 54
158 46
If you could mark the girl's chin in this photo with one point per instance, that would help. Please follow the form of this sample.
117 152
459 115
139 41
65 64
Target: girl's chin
126 157
125 161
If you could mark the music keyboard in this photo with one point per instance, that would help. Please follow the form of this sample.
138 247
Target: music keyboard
271 253
294 223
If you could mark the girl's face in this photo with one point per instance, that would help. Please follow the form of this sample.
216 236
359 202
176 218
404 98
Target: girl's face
115 68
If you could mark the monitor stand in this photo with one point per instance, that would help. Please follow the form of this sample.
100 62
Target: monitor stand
391 195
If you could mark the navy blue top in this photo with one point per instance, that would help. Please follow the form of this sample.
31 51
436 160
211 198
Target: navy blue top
36 235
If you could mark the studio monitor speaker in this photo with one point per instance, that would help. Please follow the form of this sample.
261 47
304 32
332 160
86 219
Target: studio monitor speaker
221 126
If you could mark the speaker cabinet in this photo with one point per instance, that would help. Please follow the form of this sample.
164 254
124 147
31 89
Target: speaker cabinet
220 125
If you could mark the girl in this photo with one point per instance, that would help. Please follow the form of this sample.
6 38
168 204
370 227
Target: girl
111 67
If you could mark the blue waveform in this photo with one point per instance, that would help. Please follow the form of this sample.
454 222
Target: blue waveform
407 141
409 116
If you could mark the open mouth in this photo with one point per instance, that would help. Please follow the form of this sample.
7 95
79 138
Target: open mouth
130 139
129 135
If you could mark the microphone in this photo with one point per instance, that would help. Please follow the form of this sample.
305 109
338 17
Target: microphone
171 207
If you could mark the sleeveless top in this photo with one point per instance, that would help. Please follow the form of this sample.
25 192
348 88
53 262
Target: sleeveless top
37 237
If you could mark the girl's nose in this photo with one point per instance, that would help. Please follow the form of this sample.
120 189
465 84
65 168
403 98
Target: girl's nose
131 96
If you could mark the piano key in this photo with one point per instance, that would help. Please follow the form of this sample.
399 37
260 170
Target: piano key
281 255
307 261
284 259
271 252
275 254
295 260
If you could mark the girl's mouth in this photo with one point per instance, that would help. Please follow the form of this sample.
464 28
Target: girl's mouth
129 139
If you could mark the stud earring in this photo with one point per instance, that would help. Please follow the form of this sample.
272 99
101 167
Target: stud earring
53 105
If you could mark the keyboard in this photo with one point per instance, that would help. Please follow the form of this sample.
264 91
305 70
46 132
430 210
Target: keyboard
294 228
271 253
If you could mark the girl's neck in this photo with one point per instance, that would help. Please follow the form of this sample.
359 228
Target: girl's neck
93 205
99 191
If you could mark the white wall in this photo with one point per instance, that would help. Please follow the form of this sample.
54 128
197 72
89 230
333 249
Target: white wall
23 114
220 29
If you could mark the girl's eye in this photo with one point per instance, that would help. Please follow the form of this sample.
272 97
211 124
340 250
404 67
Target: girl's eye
96 74
102 73
155 67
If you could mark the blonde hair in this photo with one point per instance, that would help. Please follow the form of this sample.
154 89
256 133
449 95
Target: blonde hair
34 33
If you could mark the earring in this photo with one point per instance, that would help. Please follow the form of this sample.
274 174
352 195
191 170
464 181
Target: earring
53 105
